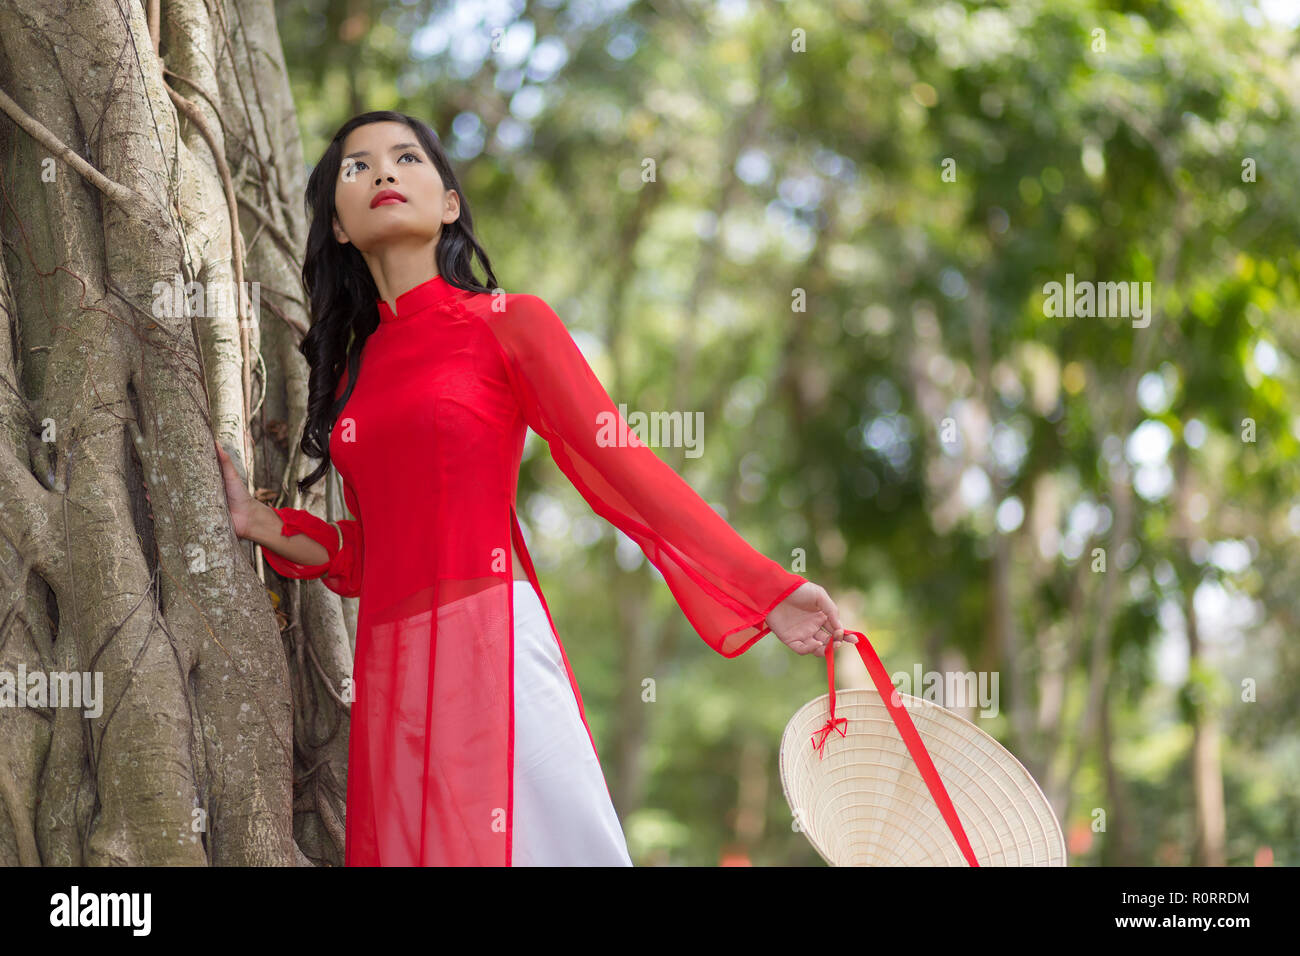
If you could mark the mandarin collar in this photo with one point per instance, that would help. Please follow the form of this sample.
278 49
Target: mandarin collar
416 300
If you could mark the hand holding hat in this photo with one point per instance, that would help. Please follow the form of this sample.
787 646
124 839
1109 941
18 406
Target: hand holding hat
808 620
906 782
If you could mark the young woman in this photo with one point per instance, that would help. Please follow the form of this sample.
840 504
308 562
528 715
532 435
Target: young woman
469 744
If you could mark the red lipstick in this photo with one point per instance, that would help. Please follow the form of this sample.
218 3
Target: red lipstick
387 195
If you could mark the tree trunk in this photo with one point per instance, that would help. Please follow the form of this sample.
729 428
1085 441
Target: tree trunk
1121 842
1207 771
125 163
1209 844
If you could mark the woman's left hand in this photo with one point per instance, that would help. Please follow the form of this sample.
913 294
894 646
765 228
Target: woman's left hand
808 620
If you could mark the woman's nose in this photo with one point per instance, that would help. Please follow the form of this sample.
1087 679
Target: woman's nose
381 179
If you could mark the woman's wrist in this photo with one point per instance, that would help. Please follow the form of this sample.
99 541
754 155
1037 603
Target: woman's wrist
298 536
263 523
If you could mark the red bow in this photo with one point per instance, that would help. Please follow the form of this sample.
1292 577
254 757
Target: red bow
825 732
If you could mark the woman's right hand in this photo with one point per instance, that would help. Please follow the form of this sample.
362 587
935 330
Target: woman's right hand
238 500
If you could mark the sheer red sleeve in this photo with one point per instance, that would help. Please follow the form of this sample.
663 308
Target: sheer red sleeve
724 586
342 572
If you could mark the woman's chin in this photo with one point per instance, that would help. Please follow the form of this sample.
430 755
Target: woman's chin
398 234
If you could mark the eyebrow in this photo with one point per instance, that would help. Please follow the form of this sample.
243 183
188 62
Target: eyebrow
366 152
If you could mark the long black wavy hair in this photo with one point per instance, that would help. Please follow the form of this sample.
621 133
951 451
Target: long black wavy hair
342 293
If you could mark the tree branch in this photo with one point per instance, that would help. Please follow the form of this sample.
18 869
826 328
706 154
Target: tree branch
116 192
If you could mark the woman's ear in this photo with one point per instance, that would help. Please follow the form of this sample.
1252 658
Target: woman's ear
452 207
339 234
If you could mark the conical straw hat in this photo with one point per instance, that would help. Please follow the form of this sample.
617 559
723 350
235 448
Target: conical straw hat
863 801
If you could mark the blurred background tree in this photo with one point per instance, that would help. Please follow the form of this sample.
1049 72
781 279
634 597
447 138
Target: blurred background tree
827 228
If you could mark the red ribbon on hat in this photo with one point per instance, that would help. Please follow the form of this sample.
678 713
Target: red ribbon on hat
903 721
834 723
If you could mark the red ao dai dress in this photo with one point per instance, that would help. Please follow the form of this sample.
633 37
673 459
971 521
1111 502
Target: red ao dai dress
468 742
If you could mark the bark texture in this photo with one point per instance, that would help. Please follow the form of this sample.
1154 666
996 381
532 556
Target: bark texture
141 143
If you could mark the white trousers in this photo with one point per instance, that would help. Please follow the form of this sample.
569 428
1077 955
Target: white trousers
563 815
